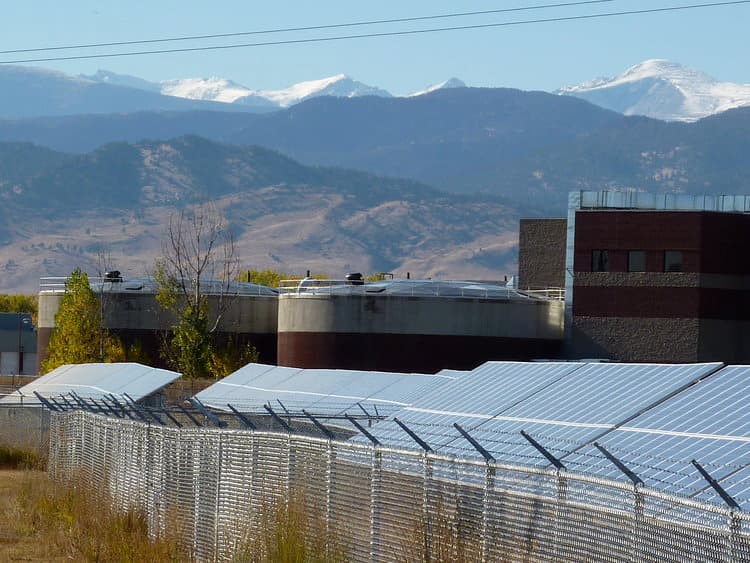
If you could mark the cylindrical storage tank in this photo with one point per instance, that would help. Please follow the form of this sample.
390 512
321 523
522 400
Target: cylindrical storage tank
410 325
129 310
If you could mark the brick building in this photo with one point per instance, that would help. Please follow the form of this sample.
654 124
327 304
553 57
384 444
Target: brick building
655 278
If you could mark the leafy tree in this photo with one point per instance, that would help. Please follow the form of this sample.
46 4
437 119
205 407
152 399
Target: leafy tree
18 304
198 259
79 336
272 278
269 278
231 357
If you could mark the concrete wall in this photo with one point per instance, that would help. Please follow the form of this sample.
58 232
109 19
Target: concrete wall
25 427
421 334
138 318
533 318
541 253
636 339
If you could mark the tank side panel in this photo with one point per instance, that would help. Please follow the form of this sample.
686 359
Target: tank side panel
424 353
414 333
535 319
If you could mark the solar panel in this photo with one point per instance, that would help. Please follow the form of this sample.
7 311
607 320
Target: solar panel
95 381
709 422
319 391
495 386
562 405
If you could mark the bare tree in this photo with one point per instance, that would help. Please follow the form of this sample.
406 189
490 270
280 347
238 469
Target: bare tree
199 260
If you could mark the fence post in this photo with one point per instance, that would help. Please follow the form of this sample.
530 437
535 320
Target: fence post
426 520
376 475
329 490
637 530
562 493
489 488
735 525
217 498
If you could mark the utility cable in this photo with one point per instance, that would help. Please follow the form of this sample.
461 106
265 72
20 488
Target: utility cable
382 34
306 28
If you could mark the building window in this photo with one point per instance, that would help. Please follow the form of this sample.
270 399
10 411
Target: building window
599 261
636 261
673 261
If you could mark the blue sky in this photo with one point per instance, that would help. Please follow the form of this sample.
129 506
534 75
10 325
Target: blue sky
532 57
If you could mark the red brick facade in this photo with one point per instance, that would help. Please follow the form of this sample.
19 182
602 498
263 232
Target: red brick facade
709 283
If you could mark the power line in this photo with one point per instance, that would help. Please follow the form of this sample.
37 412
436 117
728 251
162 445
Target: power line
306 28
382 34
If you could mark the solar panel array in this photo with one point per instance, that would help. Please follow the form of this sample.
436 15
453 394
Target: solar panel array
654 418
322 392
94 381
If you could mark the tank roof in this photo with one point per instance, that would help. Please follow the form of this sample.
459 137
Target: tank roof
149 285
414 288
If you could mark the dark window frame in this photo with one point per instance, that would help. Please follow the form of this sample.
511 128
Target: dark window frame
668 264
641 256
600 261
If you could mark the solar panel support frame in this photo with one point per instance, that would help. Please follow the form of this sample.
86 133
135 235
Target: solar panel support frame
110 409
207 413
544 451
172 418
637 481
424 445
327 433
277 418
246 421
78 400
140 414
120 406
477 446
58 405
363 430
725 496
100 409
66 401
190 416
45 402
153 415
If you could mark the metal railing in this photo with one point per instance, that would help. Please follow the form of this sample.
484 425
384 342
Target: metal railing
414 288
555 293
216 486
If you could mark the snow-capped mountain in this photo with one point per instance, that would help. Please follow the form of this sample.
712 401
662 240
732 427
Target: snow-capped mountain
340 86
663 90
36 92
216 89
450 83
109 77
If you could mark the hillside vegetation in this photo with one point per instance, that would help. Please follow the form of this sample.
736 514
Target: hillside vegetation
284 215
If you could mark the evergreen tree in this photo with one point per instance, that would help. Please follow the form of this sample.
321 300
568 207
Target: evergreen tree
79 336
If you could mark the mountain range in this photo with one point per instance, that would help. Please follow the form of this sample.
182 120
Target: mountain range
432 183
457 139
529 147
654 88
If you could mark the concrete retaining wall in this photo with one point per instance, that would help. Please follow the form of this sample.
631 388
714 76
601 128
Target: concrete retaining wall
25 427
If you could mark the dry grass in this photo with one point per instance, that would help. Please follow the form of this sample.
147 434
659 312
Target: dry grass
19 458
440 538
44 521
41 521
289 534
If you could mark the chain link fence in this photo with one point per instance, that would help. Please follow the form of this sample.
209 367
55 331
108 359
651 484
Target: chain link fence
217 488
